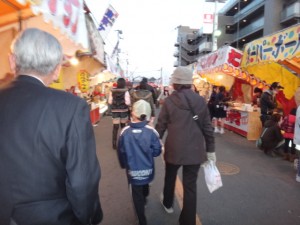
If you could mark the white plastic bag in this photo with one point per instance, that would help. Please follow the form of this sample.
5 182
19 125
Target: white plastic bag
212 176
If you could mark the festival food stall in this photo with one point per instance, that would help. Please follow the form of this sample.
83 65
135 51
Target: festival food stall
222 68
276 58
70 24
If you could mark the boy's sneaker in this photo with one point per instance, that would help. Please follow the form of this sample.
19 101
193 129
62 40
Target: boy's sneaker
168 210
216 130
297 178
222 131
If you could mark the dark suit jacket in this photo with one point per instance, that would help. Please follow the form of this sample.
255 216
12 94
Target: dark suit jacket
49 172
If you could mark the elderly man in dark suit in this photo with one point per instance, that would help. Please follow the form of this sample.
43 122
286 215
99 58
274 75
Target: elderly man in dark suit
49 172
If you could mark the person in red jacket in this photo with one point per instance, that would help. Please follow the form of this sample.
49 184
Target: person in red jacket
288 126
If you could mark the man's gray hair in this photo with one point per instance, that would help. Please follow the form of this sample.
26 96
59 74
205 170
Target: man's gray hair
36 52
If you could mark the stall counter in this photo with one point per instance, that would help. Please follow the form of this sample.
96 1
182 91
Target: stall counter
245 123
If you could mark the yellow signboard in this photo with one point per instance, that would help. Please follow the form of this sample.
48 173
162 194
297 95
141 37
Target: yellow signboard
279 46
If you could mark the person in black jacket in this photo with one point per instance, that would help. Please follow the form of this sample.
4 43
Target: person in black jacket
149 88
212 102
49 171
220 109
268 102
272 138
138 144
189 143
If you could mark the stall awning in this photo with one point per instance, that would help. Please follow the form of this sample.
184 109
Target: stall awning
13 12
224 61
275 58
66 15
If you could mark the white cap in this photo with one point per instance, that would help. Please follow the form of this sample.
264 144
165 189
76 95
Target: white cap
141 107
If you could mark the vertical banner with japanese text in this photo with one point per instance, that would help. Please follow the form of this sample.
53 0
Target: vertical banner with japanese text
107 21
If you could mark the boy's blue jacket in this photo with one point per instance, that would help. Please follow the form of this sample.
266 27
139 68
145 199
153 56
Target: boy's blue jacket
138 144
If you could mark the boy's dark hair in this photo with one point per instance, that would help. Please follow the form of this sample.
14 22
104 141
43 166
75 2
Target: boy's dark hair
257 90
179 87
121 83
143 117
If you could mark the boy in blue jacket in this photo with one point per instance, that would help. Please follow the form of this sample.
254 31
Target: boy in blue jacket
138 144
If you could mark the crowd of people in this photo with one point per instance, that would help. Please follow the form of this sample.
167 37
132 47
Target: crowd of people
49 168
279 132
50 172
140 140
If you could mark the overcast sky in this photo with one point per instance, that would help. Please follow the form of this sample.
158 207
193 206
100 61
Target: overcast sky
149 30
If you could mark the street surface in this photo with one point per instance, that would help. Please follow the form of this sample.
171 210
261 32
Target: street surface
257 189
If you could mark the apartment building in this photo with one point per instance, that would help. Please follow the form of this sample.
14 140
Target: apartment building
239 22
242 21
187 44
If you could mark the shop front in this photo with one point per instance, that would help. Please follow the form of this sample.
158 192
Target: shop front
276 58
74 29
222 67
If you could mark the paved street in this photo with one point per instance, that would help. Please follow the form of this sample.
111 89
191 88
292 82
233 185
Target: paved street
257 189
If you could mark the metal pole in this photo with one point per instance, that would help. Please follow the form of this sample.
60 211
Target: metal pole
238 26
214 38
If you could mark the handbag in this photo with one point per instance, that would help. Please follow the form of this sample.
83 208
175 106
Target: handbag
212 176
259 141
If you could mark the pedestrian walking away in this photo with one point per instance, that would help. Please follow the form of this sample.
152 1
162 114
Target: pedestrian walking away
187 145
119 99
138 144
49 170
143 93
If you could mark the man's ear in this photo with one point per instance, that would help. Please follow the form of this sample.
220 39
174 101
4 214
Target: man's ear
12 63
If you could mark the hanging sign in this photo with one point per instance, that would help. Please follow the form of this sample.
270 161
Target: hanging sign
83 81
67 15
226 54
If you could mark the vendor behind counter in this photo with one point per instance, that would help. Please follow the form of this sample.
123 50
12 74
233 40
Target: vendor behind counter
256 96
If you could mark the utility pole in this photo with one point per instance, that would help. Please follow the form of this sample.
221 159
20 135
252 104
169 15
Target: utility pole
215 24
161 77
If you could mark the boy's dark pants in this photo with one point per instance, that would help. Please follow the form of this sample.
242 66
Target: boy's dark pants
139 194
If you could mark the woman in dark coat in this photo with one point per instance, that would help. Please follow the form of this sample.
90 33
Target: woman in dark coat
186 144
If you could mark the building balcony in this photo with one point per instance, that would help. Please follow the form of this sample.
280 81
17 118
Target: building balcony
254 26
188 47
205 47
190 59
181 62
291 12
